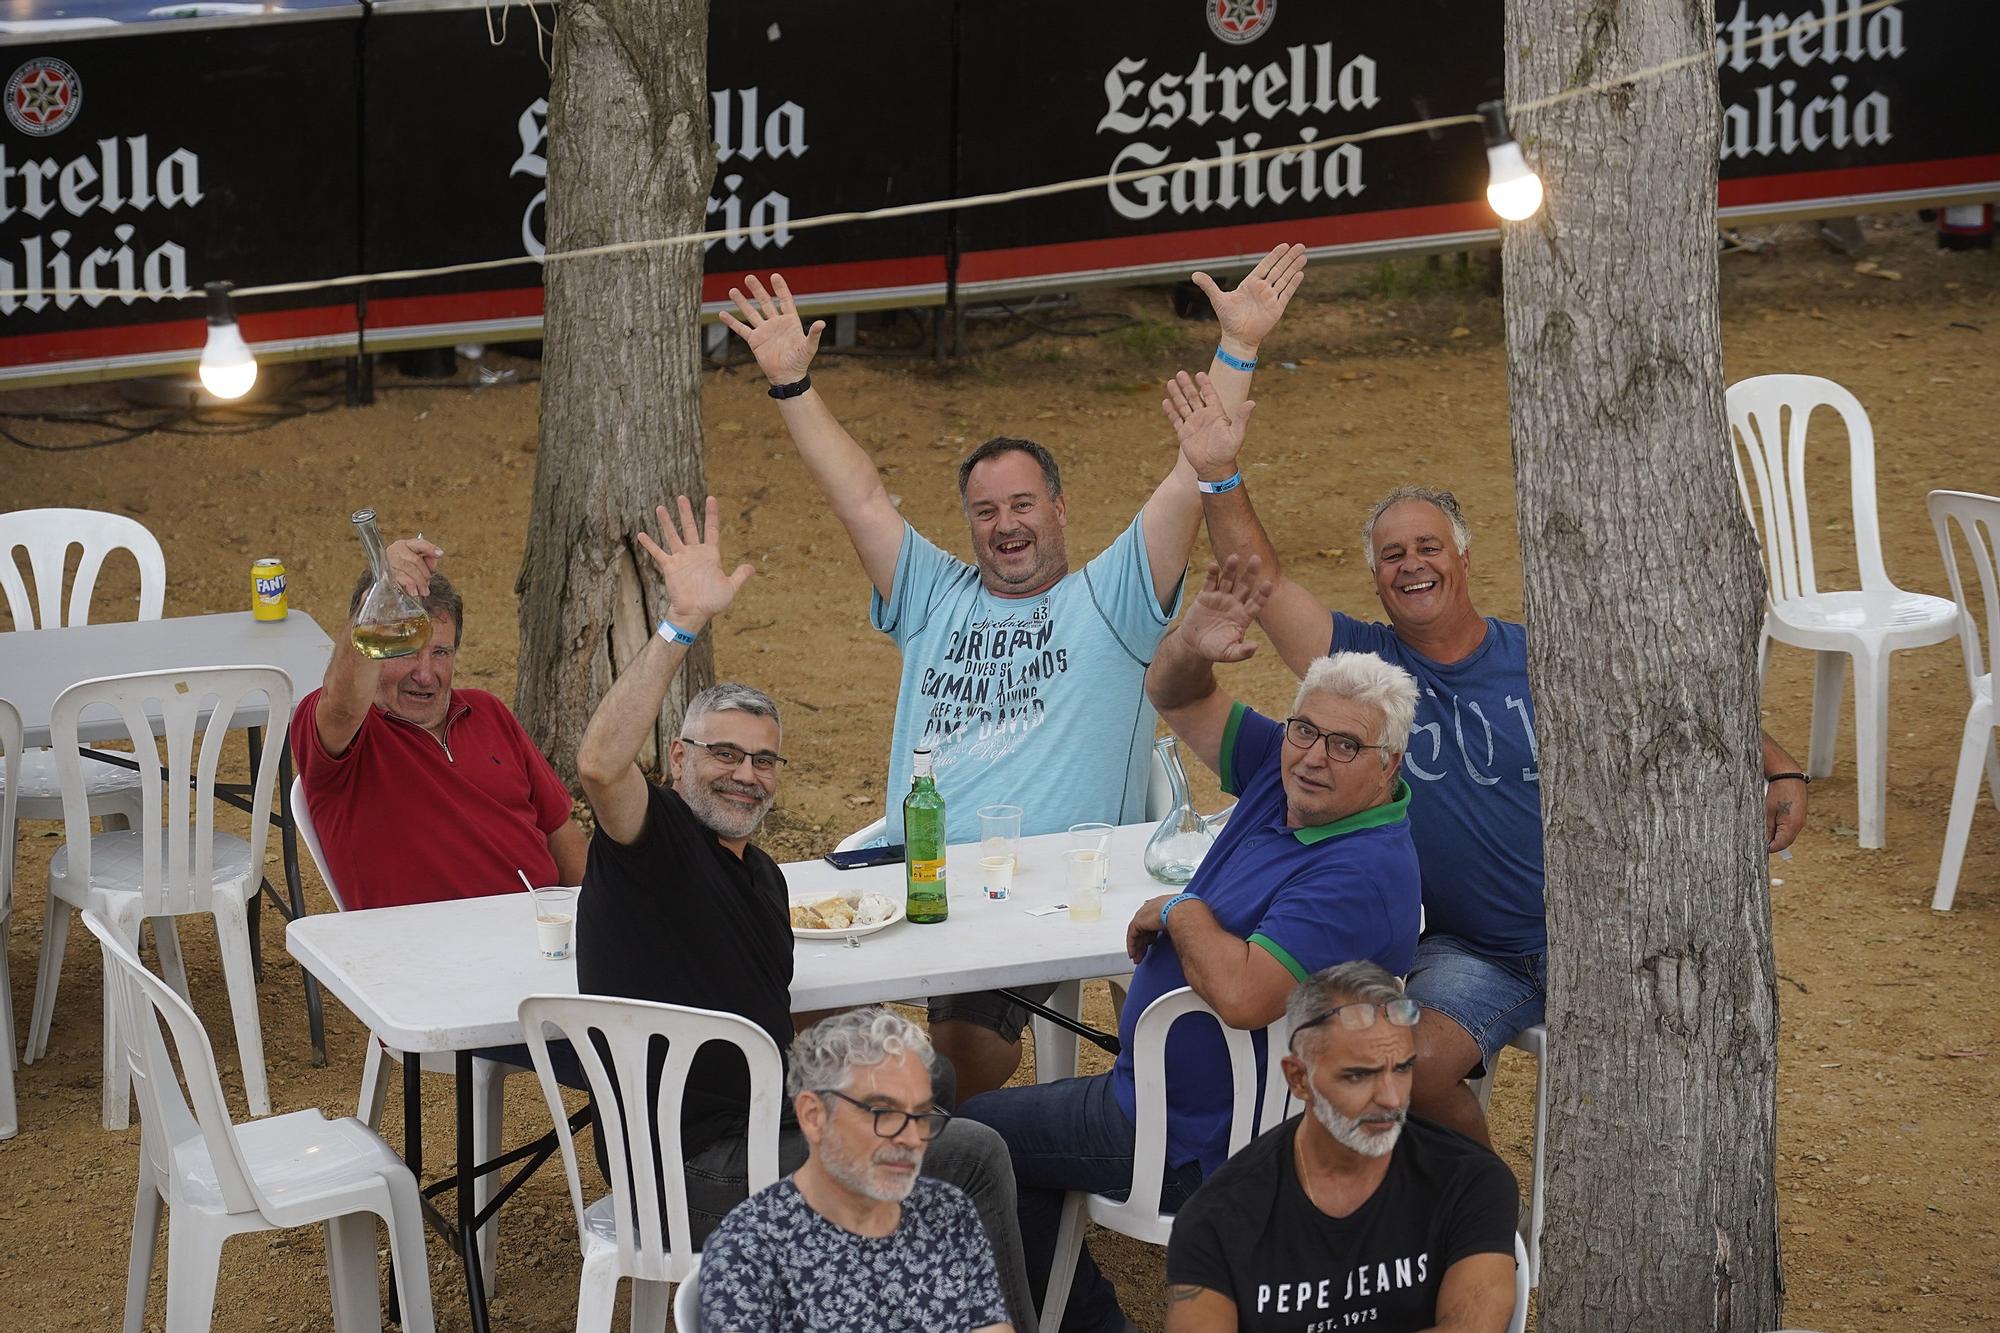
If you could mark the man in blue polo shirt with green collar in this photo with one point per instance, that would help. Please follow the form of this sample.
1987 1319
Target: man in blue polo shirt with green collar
1314 868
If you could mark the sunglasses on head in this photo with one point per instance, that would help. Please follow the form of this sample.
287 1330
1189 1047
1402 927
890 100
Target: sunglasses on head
1359 1015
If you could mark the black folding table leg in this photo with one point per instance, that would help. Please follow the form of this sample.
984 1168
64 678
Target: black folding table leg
413 1145
468 1213
288 840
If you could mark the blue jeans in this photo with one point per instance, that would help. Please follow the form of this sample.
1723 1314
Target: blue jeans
1063 1136
1492 996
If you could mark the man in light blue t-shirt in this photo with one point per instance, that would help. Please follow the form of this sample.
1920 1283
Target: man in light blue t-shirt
1024 676
1475 782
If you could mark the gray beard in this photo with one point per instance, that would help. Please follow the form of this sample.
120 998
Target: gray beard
721 817
1348 1132
853 1175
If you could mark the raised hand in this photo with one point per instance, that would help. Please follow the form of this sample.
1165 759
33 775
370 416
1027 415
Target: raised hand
1222 613
1249 313
412 561
1210 436
772 330
691 564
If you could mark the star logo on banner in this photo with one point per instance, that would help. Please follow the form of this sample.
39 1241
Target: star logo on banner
1240 21
43 96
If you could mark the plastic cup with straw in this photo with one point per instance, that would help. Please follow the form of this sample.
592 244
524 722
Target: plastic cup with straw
555 914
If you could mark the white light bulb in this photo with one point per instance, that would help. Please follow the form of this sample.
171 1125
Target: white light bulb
227 367
1514 191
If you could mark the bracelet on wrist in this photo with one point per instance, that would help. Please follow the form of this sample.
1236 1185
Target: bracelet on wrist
1223 487
1234 362
792 390
673 633
1173 902
1770 778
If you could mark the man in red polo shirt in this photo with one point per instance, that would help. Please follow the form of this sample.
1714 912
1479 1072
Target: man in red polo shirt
419 791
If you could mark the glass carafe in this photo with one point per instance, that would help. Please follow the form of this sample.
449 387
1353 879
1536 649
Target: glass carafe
1184 836
390 623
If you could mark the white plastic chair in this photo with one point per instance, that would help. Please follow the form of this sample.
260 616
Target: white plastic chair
1770 415
1139 1214
1523 1284
10 765
687 1301
47 535
218 1179
489 1093
185 868
1978 518
1535 1041
624 1234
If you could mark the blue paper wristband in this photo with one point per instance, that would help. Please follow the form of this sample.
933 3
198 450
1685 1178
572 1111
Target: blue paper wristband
1234 362
1173 902
673 633
1223 487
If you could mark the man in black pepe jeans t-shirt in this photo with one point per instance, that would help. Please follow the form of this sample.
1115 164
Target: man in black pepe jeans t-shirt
1351 1215
678 907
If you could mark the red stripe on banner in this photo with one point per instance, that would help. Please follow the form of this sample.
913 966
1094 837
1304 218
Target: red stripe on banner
1031 261
1803 185
816 281
401 312
171 335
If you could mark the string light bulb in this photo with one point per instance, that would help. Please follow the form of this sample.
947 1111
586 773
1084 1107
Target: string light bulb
227 367
1512 188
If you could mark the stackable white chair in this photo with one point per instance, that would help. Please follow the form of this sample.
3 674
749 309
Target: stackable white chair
1978 519
175 863
1518 1323
687 1302
1770 415
1139 1215
10 766
1535 1041
47 535
624 1234
489 1102
217 1179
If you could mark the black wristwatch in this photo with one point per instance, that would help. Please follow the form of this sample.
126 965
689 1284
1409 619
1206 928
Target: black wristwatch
792 390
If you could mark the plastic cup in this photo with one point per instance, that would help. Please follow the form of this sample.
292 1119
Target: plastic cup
996 876
1097 838
1000 832
1083 882
555 920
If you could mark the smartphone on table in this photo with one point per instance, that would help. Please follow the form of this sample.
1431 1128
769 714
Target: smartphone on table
865 856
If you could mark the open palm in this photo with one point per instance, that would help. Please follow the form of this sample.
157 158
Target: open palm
690 562
1218 623
1252 310
1210 435
770 327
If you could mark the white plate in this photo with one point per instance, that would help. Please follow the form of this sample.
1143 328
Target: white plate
850 933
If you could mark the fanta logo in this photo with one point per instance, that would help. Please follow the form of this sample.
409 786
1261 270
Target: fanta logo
274 587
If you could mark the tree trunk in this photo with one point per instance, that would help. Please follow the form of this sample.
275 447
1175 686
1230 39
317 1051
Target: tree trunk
629 159
1644 594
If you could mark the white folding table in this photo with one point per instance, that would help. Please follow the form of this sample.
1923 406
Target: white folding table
38 665
450 977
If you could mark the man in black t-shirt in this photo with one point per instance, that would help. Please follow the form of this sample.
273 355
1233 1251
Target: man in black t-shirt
678 907
1353 1214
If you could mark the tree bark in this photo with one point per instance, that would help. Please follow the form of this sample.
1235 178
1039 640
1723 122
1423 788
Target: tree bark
1644 595
630 158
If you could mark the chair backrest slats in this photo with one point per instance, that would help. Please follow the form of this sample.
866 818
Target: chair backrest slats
1978 520
181 806
10 764
47 535
614 1041
308 833
1149 1055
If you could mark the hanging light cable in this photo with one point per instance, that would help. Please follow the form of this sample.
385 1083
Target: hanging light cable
1512 187
227 367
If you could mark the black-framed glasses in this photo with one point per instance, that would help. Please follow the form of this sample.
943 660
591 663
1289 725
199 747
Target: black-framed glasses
1340 747
729 756
891 1121
1359 1015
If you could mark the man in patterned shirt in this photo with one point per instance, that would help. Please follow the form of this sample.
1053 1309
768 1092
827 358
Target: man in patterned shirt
856 1238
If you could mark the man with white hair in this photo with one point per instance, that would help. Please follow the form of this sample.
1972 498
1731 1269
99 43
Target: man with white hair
678 906
1315 867
855 1238
1358 1214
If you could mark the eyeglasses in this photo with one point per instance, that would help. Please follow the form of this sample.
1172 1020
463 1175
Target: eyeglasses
1359 1015
891 1121
1340 747
729 756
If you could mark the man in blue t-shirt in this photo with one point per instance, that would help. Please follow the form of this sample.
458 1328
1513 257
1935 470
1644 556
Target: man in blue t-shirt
1315 867
1023 676
1481 970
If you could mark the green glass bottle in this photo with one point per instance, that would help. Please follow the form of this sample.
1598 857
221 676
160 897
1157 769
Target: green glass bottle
923 847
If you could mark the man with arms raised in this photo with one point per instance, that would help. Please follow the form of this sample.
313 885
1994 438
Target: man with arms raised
1358 1214
381 743
1315 867
1022 675
679 907
1481 971
855 1238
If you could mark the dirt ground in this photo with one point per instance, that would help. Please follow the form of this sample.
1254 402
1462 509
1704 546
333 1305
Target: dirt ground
1380 374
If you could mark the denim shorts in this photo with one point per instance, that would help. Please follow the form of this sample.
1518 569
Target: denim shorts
990 1009
1492 996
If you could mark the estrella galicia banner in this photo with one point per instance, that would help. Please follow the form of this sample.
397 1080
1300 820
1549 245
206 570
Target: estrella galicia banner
156 157
457 133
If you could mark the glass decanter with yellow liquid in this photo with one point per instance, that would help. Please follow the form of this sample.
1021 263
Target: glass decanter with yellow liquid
390 623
